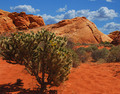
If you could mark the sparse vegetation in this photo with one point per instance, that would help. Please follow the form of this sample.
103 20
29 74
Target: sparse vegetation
114 55
70 44
91 48
106 44
82 54
100 54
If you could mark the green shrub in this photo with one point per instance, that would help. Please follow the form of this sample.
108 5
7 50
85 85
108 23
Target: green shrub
106 44
100 54
79 49
83 56
70 44
75 58
114 55
91 48
42 52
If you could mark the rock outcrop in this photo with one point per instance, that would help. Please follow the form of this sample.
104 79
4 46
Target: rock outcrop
116 37
24 21
78 30
6 24
18 21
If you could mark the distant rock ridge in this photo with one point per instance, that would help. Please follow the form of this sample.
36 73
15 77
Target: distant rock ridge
116 37
78 30
18 21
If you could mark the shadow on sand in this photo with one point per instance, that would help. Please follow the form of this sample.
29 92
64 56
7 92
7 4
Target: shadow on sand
18 87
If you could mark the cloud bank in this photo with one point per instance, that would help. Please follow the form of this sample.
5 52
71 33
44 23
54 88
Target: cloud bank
62 9
25 8
101 14
105 0
110 27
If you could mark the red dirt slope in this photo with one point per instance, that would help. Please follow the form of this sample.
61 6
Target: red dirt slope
87 79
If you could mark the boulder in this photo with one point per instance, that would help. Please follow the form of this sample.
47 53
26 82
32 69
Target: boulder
78 30
116 37
6 24
33 24
37 19
18 21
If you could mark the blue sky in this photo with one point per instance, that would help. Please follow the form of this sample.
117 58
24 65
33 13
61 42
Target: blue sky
104 13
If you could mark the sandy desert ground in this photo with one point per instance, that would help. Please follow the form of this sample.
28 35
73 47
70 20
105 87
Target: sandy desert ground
88 78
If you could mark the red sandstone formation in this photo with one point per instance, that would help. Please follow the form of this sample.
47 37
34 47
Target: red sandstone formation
116 37
78 30
18 21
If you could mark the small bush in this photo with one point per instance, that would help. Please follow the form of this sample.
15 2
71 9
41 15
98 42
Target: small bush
83 55
114 55
106 44
101 60
75 58
91 48
79 49
70 44
100 54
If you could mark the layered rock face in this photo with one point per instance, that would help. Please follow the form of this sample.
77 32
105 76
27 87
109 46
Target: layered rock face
78 30
18 21
116 37
6 23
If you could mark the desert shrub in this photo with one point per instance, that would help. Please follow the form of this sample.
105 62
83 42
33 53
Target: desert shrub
101 60
106 44
70 44
41 53
82 54
100 54
79 49
91 48
114 55
78 44
75 58
85 44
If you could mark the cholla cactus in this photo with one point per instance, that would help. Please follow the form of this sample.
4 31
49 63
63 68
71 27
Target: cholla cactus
42 52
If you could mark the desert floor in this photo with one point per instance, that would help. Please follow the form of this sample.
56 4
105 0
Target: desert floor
88 78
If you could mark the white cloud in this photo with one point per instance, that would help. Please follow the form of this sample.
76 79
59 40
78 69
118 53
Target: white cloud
110 27
101 14
70 14
92 0
48 19
105 0
108 0
104 14
25 8
62 9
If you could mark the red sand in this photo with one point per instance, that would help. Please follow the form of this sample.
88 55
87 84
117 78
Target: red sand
86 79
